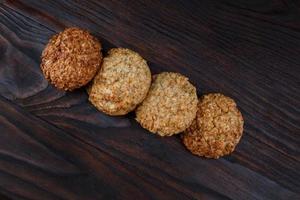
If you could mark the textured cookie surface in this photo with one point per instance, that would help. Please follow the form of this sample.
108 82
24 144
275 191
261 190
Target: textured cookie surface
170 105
217 128
71 59
122 82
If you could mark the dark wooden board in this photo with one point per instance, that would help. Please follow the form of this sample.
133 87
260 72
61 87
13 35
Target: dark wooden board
55 145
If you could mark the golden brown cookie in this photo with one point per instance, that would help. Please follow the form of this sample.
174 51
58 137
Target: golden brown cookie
170 105
217 128
122 82
71 59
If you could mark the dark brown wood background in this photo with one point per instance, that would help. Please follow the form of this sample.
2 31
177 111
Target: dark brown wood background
55 145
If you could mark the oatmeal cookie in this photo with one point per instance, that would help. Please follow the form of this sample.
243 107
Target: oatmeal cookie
71 59
217 128
170 105
122 82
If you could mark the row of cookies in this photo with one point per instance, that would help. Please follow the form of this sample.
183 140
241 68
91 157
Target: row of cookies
165 104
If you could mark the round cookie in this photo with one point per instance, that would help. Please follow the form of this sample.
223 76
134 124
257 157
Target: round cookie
217 128
122 82
170 105
71 59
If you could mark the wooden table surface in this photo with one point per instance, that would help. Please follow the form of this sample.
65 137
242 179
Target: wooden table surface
55 145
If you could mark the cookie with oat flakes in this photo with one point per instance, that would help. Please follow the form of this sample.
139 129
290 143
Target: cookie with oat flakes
217 128
122 82
71 58
170 105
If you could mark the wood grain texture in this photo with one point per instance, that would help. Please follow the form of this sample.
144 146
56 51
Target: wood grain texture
55 145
